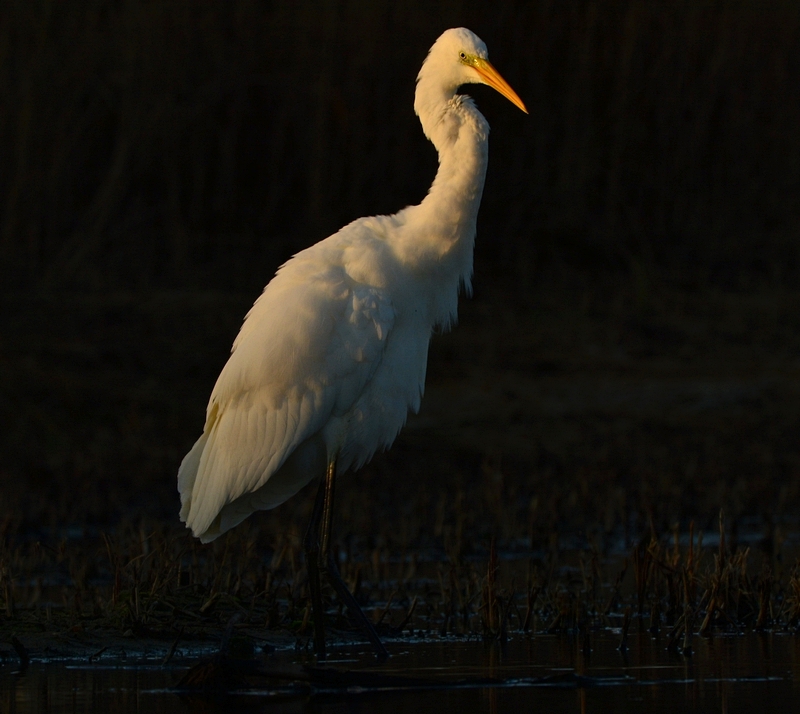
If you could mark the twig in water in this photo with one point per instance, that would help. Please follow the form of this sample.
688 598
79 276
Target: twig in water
22 653
626 623
172 649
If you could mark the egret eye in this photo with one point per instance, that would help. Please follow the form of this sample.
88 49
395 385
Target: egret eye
463 56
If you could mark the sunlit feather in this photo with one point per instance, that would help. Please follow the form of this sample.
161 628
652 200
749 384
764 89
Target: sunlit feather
332 355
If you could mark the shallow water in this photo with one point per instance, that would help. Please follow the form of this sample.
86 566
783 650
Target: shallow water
549 673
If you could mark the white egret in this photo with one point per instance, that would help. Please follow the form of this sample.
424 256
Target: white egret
333 354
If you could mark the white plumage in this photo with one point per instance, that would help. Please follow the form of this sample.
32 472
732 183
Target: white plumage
333 354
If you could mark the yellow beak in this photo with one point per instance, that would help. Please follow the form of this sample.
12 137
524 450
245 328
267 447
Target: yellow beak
489 75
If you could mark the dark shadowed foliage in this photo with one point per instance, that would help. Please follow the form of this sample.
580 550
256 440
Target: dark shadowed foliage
627 366
201 143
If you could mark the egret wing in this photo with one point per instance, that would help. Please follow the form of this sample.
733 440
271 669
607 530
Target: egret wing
305 352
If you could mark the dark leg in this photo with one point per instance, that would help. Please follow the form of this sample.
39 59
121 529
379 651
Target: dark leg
319 558
311 547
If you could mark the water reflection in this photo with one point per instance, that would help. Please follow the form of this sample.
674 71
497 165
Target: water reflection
552 673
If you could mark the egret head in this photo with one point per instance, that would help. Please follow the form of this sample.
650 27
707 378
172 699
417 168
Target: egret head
460 57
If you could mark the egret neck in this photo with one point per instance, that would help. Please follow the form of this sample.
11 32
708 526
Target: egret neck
441 236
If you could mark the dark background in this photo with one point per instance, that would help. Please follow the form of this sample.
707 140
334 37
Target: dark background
630 354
